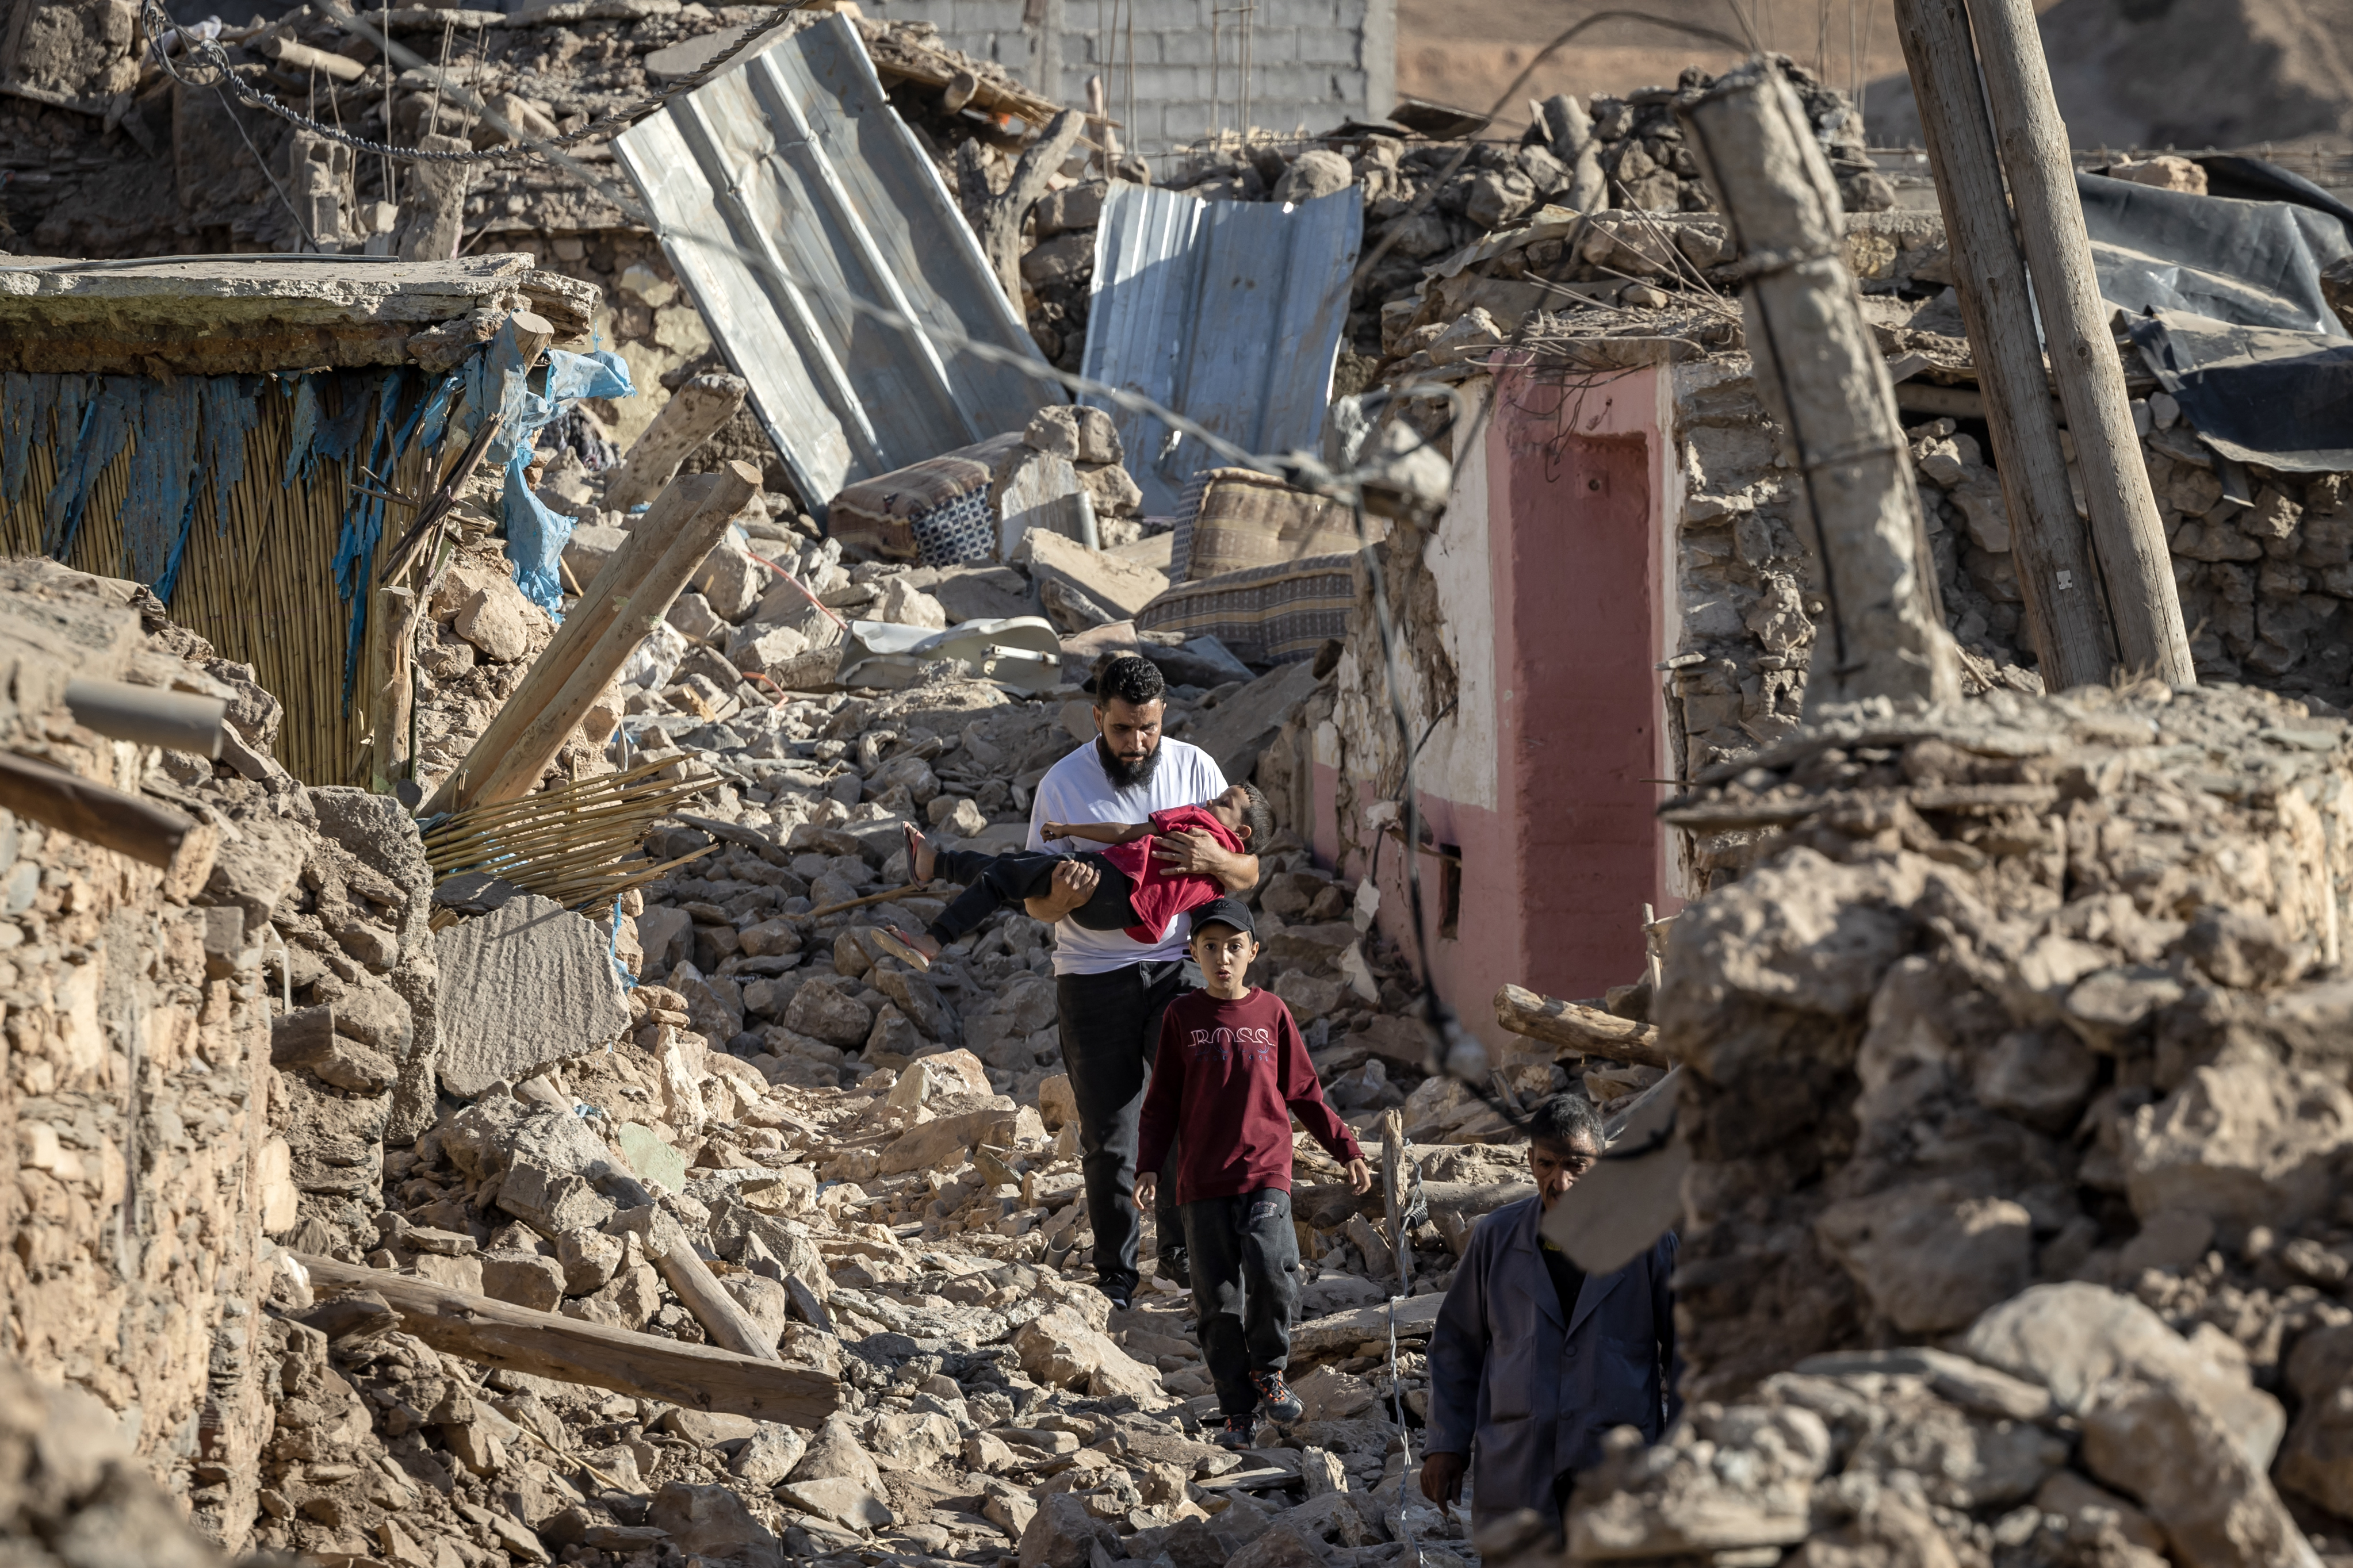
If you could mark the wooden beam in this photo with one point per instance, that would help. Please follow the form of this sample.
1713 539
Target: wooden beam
1819 369
2075 643
628 598
548 1344
147 833
997 219
1575 1027
2136 563
693 414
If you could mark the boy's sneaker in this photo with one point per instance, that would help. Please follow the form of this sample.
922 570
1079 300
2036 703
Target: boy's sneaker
1275 1398
1235 1432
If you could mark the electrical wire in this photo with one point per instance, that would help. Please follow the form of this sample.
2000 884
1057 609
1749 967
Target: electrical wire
1461 1056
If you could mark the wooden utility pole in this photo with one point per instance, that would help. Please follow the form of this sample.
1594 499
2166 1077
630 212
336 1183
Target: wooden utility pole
2069 625
2136 567
1822 377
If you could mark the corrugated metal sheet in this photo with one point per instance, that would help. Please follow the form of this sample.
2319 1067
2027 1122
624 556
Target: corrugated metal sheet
798 157
1229 312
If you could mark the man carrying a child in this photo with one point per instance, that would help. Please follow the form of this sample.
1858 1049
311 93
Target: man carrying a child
1110 987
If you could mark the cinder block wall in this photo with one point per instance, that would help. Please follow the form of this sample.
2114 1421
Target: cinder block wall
1314 63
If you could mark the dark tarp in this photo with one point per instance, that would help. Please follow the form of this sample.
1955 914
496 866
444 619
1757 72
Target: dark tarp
2277 398
2255 263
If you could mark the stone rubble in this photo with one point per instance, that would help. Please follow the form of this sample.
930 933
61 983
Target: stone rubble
2017 1101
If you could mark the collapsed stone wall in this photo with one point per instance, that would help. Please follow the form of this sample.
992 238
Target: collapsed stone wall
2259 557
2021 1032
135 1092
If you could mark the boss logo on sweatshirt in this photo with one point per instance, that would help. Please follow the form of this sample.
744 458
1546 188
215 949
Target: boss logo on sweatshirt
1249 1044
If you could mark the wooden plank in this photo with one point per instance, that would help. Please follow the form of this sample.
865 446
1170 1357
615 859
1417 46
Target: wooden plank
1589 1031
125 824
692 415
1819 369
1415 1315
547 1345
637 585
2136 563
2073 641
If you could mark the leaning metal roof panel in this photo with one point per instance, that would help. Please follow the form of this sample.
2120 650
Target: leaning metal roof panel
1229 312
796 158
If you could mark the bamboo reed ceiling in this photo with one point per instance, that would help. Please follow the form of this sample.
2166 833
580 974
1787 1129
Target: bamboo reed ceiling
258 582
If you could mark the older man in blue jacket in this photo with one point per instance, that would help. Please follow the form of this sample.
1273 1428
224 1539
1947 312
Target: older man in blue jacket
1533 1359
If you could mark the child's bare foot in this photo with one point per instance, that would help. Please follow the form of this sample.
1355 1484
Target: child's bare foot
907 947
922 860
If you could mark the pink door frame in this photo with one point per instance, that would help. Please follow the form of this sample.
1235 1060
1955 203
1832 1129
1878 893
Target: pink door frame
1546 778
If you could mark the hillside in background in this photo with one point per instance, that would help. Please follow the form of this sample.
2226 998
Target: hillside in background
2129 73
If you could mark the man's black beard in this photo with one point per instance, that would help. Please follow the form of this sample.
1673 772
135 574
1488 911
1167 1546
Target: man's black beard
1122 773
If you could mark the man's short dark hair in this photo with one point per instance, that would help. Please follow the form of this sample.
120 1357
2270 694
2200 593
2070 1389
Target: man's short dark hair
1566 1121
1132 678
1259 817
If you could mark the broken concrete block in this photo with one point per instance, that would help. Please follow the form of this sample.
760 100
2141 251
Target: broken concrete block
710 1522
697 621
1117 584
526 1278
905 606
847 1503
821 1011
588 1256
977 593
731 580
769 1456
497 620
1318 171
835 1454
773 651
526 985
1063 1534
1059 1350
1114 492
590 547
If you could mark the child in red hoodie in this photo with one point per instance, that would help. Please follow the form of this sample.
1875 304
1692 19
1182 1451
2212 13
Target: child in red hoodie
1135 893
1229 1072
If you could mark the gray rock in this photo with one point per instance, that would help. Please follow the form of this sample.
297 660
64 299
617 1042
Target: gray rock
525 985
820 1011
2165 1447
2073 1338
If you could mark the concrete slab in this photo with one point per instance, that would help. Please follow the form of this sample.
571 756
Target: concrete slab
217 315
526 985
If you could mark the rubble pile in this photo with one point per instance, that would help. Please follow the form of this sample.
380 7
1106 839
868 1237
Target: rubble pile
2017 1113
2261 558
1610 154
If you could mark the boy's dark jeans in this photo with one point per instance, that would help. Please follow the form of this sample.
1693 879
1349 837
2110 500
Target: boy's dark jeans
992 881
1245 1258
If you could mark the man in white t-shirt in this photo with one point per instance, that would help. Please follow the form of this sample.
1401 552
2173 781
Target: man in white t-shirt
1112 988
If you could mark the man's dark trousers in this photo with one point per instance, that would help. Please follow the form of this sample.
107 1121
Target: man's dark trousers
1110 1028
1245 1258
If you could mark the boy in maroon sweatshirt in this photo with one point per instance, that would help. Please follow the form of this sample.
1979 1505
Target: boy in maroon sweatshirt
1229 1072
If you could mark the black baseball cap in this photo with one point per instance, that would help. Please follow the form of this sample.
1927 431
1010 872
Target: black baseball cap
1225 912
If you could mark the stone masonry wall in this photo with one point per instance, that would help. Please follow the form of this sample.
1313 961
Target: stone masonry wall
1314 63
2261 560
135 1085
